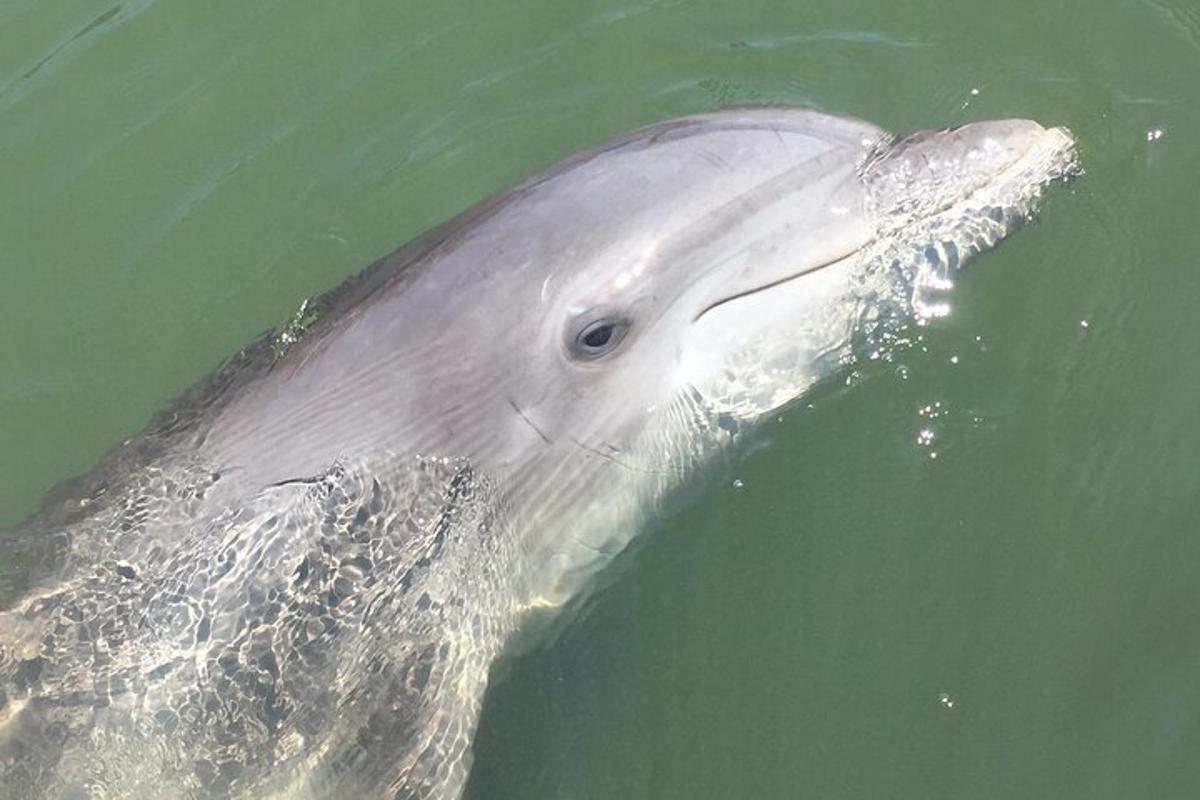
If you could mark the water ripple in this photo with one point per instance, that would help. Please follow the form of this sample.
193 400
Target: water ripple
67 51
95 24
874 38
1185 19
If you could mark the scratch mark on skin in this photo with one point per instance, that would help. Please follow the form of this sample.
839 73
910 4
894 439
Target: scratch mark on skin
615 460
525 417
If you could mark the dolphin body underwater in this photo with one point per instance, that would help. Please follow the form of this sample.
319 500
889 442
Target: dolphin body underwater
293 583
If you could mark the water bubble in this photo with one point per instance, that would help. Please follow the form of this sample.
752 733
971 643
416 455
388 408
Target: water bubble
1154 134
946 700
931 411
1083 323
737 483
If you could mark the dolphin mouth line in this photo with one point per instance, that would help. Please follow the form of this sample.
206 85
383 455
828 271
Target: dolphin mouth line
780 281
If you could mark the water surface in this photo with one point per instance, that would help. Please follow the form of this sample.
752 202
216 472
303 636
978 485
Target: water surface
968 570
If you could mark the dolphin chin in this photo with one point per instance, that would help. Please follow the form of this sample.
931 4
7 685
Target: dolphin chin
293 583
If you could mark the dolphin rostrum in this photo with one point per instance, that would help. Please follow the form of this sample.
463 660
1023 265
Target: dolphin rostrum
292 584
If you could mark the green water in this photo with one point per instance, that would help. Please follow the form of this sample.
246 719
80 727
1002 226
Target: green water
1017 617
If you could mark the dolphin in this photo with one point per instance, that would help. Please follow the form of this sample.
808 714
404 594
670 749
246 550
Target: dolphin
293 582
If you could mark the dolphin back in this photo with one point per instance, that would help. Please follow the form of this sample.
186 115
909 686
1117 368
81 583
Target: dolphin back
332 635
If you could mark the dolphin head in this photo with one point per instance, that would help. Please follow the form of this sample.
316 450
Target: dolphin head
597 334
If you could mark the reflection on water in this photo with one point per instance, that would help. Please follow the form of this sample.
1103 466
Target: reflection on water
1014 618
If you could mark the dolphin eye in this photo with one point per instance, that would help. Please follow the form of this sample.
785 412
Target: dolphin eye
598 337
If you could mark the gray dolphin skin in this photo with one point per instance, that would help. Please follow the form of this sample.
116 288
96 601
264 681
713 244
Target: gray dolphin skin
293 583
